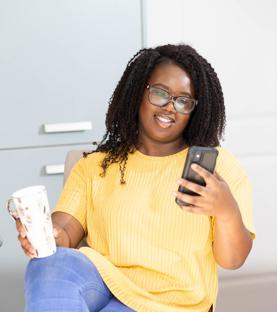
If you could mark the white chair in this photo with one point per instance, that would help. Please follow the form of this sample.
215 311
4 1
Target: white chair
71 158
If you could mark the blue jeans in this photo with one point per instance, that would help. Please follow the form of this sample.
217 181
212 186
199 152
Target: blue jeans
67 281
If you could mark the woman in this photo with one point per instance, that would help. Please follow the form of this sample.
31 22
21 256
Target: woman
146 253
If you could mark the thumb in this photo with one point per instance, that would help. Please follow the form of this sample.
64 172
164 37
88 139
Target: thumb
56 231
218 176
61 236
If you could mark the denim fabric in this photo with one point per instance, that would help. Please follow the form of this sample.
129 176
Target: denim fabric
67 281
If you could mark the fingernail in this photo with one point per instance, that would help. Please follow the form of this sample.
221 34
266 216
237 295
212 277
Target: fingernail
179 181
194 166
174 193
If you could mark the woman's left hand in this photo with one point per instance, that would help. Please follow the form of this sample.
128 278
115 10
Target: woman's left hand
215 198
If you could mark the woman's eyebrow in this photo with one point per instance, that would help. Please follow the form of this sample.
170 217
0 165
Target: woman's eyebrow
168 89
161 85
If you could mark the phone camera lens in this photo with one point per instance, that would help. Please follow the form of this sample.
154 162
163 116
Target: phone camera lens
197 157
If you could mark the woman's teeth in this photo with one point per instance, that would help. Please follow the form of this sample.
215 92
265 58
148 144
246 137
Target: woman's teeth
164 121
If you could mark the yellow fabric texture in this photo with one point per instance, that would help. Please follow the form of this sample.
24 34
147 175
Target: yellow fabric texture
153 256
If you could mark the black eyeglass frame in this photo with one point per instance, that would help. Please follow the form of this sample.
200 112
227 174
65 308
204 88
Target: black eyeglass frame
172 99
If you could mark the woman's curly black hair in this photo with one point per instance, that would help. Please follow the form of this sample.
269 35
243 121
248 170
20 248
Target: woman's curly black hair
207 121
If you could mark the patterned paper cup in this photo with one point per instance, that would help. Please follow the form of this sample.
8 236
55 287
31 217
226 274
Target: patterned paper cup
31 206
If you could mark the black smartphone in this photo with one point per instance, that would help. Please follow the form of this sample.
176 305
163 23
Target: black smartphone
204 157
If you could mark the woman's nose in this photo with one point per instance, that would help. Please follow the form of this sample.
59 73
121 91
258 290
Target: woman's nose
170 107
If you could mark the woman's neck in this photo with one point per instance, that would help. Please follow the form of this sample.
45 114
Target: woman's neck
161 149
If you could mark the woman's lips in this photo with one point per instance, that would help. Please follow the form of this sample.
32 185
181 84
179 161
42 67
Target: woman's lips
164 121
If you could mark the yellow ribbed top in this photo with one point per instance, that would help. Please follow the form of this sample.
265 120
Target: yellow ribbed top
153 256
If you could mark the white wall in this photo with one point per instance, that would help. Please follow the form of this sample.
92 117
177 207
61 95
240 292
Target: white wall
239 38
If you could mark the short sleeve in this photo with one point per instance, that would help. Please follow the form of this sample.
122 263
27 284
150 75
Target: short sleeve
235 176
74 197
243 195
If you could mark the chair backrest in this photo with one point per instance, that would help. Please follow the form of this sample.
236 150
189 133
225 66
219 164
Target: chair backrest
71 158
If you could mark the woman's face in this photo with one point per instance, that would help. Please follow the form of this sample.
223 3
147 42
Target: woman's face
164 124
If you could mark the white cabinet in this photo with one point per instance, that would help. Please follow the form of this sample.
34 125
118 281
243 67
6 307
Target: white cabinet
20 168
59 64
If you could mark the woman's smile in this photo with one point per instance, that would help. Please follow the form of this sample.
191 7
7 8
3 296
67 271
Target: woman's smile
164 120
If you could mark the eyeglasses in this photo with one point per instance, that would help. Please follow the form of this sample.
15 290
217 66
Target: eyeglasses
159 97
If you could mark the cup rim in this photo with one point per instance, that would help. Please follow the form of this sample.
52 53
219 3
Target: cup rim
27 191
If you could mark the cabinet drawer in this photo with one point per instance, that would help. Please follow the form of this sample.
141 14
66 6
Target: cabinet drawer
61 66
22 168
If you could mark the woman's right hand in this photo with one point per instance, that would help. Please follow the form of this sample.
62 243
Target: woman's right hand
22 237
60 235
67 230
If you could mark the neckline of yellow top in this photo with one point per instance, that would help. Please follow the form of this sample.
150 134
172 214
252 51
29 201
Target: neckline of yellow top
180 154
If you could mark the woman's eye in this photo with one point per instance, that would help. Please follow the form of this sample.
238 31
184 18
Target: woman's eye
160 92
184 102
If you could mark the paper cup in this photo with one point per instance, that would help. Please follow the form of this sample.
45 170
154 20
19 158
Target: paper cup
31 206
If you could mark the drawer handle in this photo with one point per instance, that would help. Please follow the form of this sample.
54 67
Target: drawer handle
67 127
54 169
